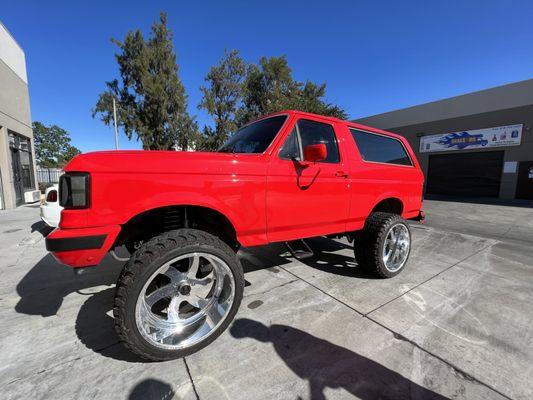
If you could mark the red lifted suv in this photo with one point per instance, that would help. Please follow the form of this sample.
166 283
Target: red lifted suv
183 216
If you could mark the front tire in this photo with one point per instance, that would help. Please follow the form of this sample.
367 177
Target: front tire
177 294
384 245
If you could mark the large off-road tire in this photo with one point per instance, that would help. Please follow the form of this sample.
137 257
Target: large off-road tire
177 293
384 245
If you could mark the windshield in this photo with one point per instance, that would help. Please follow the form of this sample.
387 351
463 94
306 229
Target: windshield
254 138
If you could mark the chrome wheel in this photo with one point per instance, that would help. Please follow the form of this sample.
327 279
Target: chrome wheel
185 300
396 247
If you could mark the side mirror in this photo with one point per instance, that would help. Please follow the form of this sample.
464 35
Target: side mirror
315 152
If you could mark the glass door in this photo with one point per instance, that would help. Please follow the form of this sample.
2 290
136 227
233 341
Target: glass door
17 176
22 165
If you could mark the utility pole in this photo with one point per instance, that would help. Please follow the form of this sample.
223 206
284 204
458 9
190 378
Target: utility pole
115 122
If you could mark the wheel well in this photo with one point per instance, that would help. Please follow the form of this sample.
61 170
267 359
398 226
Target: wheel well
391 205
153 222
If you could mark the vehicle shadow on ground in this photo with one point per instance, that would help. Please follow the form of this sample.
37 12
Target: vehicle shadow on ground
327 258
327 365
95 328
43 289
151 389
41 227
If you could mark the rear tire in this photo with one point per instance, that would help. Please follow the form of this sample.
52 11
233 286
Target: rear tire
384 245
177 294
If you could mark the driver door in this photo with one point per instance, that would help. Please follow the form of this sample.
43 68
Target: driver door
306 199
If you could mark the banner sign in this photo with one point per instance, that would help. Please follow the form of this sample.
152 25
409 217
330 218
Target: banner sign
499 136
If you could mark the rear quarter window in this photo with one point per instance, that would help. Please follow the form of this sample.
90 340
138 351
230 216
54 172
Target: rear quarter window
380 148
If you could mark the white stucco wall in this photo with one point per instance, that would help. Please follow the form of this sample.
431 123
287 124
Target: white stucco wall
12 54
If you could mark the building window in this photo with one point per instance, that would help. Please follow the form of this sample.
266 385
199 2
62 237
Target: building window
12 139
21 150
25 163
380 148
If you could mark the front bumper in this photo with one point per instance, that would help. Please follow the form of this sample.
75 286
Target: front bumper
81 247
51 214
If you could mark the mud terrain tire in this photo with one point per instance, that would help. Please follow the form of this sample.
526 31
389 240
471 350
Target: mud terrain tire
369 244
142 266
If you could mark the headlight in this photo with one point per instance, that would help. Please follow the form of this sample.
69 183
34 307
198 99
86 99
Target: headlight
74 190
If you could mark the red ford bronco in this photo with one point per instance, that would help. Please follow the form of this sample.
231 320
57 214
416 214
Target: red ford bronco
183 216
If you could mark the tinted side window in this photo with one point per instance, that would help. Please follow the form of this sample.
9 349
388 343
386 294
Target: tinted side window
312 132
379 148
291 147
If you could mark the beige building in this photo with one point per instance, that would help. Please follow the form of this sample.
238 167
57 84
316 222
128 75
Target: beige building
478 144
17 157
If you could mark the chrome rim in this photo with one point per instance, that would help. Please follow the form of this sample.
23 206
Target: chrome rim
185 301
396 247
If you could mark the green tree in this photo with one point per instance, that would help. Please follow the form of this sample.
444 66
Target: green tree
151 100
53 147
68 154
309 98
222 97
270 87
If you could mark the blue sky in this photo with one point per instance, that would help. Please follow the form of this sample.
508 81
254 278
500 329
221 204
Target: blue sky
375 56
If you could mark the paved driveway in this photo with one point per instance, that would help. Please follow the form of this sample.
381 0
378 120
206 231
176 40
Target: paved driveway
457 324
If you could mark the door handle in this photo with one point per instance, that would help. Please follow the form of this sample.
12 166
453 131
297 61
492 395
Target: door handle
341 174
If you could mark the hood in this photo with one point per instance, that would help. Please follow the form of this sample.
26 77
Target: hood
183 162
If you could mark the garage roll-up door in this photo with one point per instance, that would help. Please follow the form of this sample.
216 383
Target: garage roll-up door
465 174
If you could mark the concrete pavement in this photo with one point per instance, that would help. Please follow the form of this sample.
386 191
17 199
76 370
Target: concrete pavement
455 324
502 222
